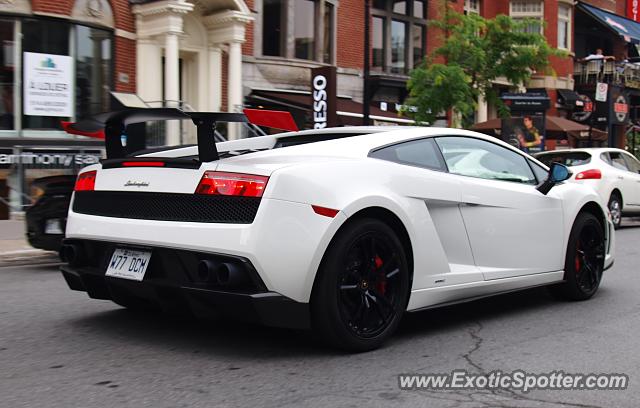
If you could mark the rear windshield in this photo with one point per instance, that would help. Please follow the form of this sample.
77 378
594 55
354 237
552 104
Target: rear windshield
569 159
299 140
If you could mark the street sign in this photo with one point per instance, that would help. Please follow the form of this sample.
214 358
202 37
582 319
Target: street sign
601 92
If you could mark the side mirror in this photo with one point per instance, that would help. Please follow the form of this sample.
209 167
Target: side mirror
557 174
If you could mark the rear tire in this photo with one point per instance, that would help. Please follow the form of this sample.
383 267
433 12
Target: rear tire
584 261
362 287
615 208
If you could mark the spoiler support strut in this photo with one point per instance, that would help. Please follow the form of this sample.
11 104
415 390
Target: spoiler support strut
115 125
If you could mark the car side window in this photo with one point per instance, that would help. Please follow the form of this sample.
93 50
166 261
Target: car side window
632 163
539 171
605 158
472 157
617 161
421 153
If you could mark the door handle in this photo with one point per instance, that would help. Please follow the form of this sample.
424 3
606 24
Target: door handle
620 178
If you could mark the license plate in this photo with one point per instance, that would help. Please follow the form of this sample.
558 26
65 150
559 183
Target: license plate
53 226
128 263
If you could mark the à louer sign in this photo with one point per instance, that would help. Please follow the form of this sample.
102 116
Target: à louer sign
48 85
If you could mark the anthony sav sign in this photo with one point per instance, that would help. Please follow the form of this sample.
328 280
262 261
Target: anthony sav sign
48 85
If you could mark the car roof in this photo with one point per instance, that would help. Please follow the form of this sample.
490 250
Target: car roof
269 141
591 150
360 146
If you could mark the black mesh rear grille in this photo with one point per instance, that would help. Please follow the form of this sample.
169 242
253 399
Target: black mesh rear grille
167 206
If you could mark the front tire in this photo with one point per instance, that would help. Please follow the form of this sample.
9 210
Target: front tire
615 208
584 261
362 287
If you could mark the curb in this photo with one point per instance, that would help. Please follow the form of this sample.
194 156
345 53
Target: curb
28 257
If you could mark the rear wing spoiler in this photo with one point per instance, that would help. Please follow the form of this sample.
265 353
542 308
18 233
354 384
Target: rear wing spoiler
111 126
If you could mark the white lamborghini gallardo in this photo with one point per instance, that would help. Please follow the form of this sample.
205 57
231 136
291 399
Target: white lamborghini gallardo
338 230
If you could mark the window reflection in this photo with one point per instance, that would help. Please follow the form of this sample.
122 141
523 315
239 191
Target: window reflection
327 50
398 57
419 9
400 6
378 42
418 44
93 71
304 27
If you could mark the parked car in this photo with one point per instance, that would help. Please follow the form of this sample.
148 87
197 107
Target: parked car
47 218
613 173
342 236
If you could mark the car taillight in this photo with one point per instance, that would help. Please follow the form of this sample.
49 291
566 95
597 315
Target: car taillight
589 174
232 184
143 164
86 181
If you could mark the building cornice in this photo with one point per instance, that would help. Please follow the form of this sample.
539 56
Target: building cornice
163 7
225 18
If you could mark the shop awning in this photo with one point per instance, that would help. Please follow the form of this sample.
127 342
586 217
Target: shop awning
569 98
624 27
552 124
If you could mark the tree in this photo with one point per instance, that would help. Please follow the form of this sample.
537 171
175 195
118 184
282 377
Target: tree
475 52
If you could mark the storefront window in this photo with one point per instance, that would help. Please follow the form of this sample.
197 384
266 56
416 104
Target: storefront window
93 71
7 67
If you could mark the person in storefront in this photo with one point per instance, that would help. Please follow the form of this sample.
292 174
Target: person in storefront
529 136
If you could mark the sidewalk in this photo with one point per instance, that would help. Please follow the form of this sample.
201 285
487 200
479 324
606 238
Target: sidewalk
14 248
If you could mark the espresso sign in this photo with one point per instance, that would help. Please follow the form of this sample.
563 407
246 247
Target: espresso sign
323 97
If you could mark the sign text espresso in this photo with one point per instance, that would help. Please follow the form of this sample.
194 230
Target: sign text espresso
323 95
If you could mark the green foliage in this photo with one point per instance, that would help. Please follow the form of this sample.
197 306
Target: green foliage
475 52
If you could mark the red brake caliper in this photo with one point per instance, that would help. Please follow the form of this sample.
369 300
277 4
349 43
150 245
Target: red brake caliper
381 284
577 260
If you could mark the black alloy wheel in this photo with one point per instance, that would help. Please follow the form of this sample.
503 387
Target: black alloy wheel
584 263
362 288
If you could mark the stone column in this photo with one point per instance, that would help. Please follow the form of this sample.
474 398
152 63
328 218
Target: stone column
215 76
234 86
171 85
149 71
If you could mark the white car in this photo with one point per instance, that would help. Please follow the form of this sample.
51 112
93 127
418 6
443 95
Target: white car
613 173
342 236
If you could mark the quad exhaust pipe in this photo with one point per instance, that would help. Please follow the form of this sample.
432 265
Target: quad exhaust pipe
71 254
227 274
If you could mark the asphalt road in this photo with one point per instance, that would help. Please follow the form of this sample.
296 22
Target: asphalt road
59 348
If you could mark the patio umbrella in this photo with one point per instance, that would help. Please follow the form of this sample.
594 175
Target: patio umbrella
552 124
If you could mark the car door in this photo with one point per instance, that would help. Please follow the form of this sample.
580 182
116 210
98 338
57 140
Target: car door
424 177
627 179
633 165
513 229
